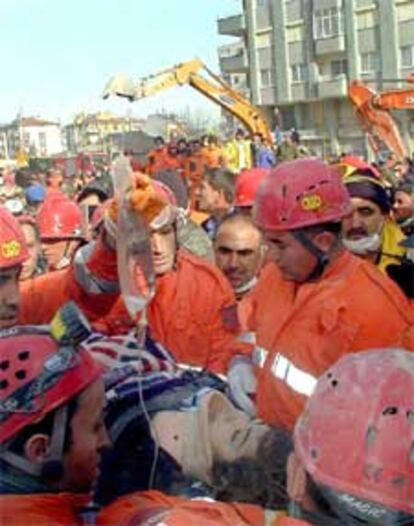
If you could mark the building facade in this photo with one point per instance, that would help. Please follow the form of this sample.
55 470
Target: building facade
89 131
34 136
300 56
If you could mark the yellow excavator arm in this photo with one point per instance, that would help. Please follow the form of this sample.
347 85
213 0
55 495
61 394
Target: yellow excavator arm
209 85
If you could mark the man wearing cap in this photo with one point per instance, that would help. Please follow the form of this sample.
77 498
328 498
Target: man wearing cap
369 231
317 301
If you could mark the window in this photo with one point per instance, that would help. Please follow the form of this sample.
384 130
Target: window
299 73
369 62
328 22
407 56
42 139
266 78
339 67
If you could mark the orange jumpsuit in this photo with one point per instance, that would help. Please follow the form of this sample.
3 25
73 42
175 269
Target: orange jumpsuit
304 329
156 161
48 509
152 507
193 312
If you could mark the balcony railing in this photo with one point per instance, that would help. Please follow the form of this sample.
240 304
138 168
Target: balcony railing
232 25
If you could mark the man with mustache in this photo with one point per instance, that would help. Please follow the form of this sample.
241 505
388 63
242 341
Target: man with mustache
368 231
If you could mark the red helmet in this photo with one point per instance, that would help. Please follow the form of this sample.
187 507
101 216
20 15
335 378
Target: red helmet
350 164
30 358
356 435
301 193
13 250
247 184
59 218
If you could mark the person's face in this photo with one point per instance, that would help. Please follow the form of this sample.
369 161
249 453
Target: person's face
56 251
88 439
257 140
207 196
34 248
159 145
403 206
238 252
239 137
365 220
9 296
90 200
295 262
163 248
234 435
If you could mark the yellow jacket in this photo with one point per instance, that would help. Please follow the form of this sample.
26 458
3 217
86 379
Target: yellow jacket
391 252
233 157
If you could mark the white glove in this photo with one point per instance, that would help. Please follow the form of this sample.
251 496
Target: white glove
243 384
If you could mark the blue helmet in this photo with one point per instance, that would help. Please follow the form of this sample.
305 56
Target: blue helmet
35 193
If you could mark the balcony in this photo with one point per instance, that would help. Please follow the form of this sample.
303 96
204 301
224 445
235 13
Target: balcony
236 63
232 25
333 88
326 46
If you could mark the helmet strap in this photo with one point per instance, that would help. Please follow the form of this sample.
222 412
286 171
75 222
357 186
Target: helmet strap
322 258
51 469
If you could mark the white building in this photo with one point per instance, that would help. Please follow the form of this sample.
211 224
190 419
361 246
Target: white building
36 137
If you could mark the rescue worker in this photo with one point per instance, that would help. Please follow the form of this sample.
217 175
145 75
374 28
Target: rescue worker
60 227
403 205
212 152
215 196
34 264
247 184
238 153
13 253
369 231
193 312
156 157
239 252
190 235
325 302
194 165
347 457
155 508
52 436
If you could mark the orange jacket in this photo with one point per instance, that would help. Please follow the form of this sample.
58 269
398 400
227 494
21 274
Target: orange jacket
156 161
307 328
213 156
60 509
193 314
42 296
152 507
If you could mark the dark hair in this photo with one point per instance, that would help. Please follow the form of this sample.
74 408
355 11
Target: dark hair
233 217
332 227
45 427
221 180
261 481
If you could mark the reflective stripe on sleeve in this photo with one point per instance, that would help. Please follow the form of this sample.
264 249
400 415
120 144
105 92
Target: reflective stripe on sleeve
298 380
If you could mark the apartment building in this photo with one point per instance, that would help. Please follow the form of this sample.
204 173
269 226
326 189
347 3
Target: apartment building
34 136
300 55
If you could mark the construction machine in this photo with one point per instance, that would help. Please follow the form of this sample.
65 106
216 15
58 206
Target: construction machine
373 112
197 75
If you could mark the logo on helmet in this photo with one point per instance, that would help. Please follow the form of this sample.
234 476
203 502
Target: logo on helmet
312 203
11 249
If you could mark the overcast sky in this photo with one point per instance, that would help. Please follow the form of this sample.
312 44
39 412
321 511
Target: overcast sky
57 55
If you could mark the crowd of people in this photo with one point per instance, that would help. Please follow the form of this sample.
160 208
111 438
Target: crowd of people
227 340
